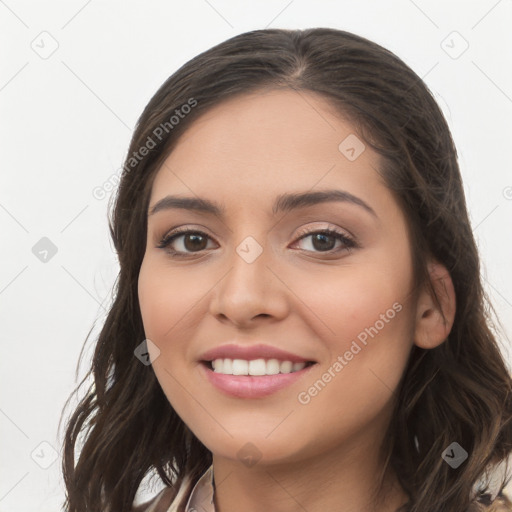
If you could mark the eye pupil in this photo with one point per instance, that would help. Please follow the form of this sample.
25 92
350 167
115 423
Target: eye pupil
321 237
197 244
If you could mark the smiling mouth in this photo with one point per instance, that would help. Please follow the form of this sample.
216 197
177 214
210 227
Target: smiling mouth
255 367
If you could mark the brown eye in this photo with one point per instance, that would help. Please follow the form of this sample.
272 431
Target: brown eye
184 241
325 241
194 242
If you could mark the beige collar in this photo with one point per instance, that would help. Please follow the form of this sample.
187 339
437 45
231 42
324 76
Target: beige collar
201 497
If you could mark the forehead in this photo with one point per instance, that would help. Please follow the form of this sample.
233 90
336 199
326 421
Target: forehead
269 142
280 122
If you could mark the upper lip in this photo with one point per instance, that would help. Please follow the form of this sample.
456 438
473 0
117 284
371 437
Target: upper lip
250 352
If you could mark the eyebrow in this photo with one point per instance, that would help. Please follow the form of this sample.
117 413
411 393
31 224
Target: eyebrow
283 203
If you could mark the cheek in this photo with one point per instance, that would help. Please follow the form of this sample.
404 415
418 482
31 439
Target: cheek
353 300
166 296
367 319
371 320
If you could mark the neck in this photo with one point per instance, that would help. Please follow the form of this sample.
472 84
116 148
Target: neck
342 479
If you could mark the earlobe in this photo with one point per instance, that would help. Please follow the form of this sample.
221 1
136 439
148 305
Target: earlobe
434 318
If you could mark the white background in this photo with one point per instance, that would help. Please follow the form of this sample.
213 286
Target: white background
66 121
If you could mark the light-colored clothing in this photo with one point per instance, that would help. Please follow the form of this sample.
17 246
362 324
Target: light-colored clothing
200 498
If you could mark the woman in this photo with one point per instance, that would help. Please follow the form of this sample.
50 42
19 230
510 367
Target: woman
299 320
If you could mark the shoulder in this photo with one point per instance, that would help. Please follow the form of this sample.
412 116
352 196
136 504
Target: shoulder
159 503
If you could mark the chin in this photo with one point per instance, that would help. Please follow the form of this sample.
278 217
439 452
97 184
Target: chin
250 450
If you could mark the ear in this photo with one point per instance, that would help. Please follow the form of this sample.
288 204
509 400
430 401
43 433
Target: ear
434 320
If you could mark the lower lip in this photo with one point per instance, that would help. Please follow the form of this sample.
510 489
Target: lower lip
248 386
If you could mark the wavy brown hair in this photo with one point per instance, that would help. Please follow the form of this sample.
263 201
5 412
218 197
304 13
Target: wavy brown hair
459 391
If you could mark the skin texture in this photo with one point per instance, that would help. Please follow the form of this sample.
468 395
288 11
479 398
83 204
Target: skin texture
320 455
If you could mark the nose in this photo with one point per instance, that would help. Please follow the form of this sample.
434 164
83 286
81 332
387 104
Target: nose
249 292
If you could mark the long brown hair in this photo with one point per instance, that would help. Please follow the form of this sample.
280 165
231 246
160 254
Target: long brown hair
458 392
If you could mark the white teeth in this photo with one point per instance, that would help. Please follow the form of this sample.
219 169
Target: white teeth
227 366
255 366
286 367
298 366
240 367
273 366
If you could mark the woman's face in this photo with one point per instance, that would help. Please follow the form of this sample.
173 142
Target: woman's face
261 275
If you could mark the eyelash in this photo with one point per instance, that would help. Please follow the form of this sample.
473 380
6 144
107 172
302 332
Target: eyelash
167 239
